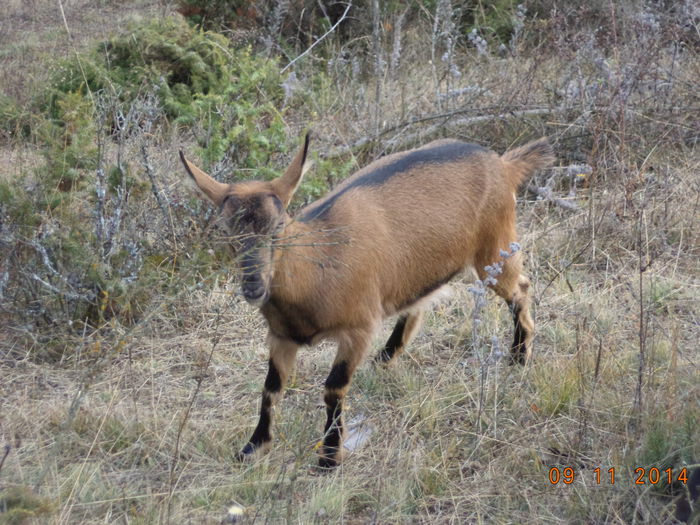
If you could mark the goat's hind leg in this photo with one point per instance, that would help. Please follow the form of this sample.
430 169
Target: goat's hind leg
404 331
514 287
524 326
282 357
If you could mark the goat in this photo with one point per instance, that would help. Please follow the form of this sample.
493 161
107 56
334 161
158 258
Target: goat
381 243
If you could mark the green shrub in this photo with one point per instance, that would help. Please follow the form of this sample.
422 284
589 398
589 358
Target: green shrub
495 19
14 121
215 14
228 96
70 142
77 224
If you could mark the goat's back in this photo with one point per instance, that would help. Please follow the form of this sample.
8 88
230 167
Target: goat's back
412 220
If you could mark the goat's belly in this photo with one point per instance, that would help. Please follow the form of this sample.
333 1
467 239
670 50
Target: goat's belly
422 295
425 302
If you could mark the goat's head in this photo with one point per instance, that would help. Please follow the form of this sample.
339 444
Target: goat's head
252 212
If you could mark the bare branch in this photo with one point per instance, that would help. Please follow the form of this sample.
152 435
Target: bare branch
68 295
399 142
320 39
152 177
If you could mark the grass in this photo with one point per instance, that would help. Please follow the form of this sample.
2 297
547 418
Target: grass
138 422
426 458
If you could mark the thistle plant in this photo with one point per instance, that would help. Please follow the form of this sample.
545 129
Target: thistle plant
481 45
518 25
479 287
478 290
444 37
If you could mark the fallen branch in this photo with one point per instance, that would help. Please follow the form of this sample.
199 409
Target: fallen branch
400 142
575 173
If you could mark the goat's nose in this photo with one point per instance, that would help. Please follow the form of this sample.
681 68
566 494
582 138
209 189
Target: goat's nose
254 291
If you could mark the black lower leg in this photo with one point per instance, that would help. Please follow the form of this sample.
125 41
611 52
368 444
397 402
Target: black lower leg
333 431
394 342
518 351
337 380
261 434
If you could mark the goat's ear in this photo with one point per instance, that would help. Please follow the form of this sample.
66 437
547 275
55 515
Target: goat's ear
287 184
205 186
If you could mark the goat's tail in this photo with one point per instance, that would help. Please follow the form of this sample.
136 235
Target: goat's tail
523 161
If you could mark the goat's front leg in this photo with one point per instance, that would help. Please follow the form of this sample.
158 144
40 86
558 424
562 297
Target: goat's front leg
282 357
351 350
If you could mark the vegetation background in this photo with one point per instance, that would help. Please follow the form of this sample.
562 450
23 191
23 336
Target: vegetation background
130 369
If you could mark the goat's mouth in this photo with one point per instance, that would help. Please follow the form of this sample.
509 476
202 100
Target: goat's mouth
255 286
255 293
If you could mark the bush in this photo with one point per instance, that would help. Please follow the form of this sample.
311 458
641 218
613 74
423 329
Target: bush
80 234
215 14
228 96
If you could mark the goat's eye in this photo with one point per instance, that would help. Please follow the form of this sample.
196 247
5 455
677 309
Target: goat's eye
233 221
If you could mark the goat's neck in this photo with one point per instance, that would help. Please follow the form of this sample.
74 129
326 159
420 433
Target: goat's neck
299 254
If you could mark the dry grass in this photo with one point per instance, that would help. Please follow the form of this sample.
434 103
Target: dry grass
107 435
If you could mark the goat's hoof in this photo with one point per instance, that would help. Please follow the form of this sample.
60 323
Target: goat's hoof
516 359
247 453
382 359
381 362
326 463
330 458
519 357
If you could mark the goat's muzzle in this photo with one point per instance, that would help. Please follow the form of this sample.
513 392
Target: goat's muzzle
255 284
255 292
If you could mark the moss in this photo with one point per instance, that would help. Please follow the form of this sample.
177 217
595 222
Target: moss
20 505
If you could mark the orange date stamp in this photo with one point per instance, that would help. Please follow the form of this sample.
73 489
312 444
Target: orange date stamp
642 475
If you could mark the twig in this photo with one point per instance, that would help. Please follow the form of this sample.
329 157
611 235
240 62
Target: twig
46 259
4 457
86 383
68 295
4 278
75 50
377 50
638 402
152 177
320 39
100 193
576 257
185 417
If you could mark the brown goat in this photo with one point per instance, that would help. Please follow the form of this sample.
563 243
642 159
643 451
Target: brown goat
382 243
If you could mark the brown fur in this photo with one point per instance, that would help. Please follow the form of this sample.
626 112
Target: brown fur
375 247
